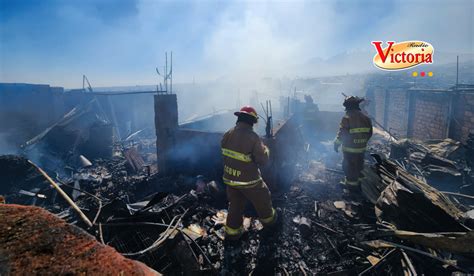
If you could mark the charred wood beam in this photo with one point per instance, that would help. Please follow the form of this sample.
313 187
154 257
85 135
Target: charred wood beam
387 244
63 194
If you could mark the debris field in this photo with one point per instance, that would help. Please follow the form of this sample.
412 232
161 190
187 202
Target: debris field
174 227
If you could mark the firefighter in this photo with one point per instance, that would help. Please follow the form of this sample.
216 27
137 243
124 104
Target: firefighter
243 153
354 132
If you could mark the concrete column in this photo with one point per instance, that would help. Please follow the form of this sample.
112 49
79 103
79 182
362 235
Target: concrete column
166 126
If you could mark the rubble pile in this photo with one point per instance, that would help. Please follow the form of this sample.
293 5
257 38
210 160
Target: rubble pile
411 204
443 163
184 232
429 223
400 224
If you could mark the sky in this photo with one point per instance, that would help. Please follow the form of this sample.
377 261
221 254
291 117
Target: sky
120 42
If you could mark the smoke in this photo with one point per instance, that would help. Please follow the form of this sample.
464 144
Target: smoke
6 145
308 38
224 52
272 47
120 43
257 44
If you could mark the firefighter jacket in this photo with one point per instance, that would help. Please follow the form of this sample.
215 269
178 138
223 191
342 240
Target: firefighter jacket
355 131
243 152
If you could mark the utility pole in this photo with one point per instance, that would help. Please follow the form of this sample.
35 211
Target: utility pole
171 74
166 72
457 72
453 98
167 75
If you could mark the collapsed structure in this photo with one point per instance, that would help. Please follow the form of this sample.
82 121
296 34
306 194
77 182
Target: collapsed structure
157 197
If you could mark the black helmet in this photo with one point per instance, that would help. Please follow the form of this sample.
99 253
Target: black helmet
352 102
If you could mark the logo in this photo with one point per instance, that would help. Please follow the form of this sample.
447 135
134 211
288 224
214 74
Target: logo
402 55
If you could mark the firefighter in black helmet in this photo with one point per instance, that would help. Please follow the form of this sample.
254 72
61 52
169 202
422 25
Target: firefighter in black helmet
354 133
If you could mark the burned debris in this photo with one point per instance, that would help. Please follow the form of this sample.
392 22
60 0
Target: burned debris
179 229
157 197
288 138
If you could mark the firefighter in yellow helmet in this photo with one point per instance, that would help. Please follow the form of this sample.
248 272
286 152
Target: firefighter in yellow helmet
243 153
354 133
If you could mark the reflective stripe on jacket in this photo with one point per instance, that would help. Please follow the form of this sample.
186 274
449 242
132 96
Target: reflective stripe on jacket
355 131
236 155
243 152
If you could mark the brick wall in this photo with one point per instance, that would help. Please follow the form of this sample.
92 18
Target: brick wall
463 115
397 111
424 114
430 115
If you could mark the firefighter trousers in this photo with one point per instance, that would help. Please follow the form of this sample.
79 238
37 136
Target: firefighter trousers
353 164
260 197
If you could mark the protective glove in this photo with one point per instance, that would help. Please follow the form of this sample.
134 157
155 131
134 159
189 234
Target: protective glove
336 147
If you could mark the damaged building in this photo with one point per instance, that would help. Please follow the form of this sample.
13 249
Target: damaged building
154 137
130 190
